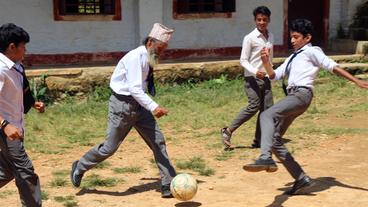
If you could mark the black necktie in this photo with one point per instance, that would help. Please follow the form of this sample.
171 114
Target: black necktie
28 100
151 84
287 71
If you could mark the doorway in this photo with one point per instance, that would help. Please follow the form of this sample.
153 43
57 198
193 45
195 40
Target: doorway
317 11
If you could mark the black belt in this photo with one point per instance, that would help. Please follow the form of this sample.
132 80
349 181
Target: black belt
293 88
122 97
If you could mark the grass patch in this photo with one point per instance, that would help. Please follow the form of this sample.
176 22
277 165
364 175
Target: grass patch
68 201
59 179
121 170
152 162
44 195
6 193
58 182
94 181
63 127
196 164
61 173
197 112
224 155
103 165
197 109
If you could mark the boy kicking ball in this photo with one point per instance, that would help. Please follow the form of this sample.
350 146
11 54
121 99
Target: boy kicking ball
300 71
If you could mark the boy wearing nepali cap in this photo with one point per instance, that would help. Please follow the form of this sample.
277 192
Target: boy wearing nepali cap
130 106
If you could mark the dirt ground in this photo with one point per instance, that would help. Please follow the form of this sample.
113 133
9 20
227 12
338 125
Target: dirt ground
338 165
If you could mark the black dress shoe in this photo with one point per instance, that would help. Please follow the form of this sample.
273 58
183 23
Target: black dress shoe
165 192
255 145
300 185
261 164
76 179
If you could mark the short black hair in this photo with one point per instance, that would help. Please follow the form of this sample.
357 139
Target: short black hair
303 26
11 33
261 10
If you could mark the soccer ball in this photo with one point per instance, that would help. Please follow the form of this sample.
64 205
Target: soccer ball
183 187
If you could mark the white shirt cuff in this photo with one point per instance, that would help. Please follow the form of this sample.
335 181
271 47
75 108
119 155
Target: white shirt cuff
152 106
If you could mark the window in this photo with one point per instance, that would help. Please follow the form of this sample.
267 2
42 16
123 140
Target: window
203 8
87 7
74 10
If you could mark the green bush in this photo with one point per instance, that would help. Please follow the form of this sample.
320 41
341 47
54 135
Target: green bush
39 89
101 94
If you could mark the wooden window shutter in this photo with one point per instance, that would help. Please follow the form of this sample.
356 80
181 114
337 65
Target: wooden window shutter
229 5
62 7
182 6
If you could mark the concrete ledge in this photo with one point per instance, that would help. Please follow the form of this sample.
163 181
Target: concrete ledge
362 47
349 46
55 72
352 67
84 79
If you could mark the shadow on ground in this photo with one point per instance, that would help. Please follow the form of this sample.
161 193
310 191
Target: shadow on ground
188 204
133 190
319 184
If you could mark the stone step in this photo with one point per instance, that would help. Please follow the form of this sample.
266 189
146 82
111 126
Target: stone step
84 79
78 70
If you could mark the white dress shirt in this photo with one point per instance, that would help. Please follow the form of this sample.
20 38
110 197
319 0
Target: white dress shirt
250 57
305 66
130 77
11 92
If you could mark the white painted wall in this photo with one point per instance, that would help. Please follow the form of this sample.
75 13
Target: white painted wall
222 32
150 12
342 12
60 37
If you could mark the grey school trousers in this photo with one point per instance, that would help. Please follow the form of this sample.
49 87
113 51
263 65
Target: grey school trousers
15 163
124 113
274 123
259 99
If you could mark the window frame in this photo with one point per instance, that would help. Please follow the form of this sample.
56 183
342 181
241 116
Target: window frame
87 17
198 15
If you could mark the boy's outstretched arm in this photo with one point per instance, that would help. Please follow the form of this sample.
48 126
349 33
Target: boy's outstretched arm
265 54
341 72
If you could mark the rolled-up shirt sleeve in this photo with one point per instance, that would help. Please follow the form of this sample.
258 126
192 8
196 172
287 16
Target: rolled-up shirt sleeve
245 55
135 83
319 58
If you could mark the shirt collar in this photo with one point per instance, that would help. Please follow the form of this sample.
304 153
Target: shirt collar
305 47
143 49
258 33
9 63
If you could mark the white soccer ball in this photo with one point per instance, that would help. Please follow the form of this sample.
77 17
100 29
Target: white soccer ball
183 187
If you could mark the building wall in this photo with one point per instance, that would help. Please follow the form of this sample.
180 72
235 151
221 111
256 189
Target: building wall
342 13
223 32
62 37
54 37
96 37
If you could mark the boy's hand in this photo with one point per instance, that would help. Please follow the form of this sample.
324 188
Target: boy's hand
39 106
260 74
362 84
160 111
265 55
12 132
